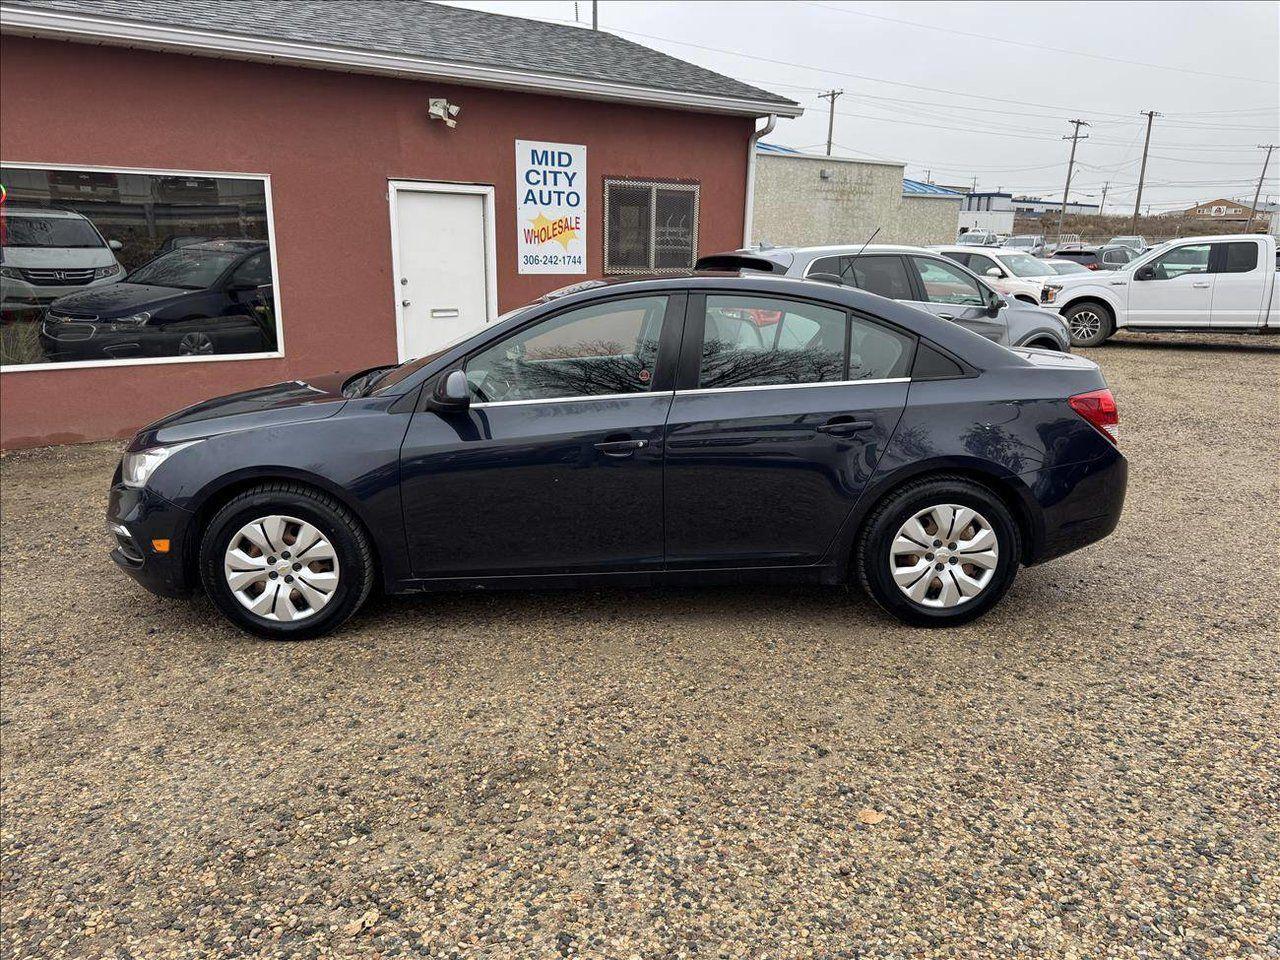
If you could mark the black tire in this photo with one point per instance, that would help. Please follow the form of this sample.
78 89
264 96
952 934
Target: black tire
331 518
872 555
1090 323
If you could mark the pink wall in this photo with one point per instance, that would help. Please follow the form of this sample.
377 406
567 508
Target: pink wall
330 142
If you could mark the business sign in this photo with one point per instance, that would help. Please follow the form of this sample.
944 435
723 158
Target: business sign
551 207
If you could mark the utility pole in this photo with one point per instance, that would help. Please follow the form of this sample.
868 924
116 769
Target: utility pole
1257 193
1142 173
1075 137
595 15
974 189
831 117
928 175
1102 205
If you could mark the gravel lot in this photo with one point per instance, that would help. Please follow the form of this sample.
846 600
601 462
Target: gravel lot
1093 770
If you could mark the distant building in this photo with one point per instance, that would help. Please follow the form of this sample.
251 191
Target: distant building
1037 207
805 198
1228 211
991 211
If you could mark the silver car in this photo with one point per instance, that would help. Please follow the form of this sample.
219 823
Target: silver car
49 253
916 276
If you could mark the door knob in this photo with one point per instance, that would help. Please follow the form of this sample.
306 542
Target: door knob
404 303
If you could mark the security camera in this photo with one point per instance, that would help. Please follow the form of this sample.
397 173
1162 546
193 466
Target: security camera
441 109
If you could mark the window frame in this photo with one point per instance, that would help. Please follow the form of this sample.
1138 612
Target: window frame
690 362
269 212
690 186
664 364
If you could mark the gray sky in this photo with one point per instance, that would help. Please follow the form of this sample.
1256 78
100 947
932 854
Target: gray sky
968 90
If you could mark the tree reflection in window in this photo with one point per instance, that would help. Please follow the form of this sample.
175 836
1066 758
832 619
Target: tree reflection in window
757 341
601 349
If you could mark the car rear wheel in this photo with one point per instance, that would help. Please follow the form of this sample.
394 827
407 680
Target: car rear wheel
1089 323
286 562
939 552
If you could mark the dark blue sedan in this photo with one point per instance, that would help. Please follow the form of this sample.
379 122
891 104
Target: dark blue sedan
705 428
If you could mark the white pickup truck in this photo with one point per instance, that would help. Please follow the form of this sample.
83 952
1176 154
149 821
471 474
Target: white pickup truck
1219 284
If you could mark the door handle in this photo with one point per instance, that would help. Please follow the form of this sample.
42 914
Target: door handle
946 316
845 427
1200 285
621 448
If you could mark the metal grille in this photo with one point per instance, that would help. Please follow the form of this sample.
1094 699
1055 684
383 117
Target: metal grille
56 277
650 226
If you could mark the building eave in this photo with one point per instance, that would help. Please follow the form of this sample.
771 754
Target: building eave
81 28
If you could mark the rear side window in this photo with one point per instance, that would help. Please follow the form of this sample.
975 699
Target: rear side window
1237 257
884 276
751 341
931 364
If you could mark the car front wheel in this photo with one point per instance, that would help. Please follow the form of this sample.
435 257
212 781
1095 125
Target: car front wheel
939 552
1089 323
286 562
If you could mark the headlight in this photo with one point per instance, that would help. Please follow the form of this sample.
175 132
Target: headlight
10 272
1049 293
136 468
110 271
137 320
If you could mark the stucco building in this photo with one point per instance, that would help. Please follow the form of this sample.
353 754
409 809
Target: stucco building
809 199
311 187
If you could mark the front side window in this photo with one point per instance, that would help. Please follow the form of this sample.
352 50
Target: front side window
944 283
1181 261
1025 265
254 272
596 350
109 266
649 227
1241 257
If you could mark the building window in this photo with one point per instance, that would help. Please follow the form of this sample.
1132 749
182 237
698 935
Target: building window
650 226
127 266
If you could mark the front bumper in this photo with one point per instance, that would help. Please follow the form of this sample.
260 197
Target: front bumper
136 518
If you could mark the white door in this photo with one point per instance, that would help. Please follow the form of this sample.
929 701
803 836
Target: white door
1239 282
1178 293
443 260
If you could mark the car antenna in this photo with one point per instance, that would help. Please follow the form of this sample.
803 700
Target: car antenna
868 243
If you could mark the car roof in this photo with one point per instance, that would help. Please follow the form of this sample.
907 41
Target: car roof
234 246
54 212
835 248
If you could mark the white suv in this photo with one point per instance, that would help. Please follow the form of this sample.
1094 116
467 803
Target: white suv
49 253
1014 273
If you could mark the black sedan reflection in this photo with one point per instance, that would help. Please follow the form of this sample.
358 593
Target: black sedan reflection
214 297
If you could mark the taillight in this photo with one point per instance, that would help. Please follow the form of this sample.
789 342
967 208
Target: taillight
1091 266
1099 408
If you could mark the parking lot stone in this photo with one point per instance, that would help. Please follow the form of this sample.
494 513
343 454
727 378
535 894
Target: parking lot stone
1093 770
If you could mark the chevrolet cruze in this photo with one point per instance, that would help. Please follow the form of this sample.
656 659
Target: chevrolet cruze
715 428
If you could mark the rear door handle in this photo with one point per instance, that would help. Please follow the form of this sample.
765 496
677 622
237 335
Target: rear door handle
845 427
946 316
621 448
1200 285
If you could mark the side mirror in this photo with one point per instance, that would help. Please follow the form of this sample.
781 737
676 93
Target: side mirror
995 272
453 392
115 244
1145 272
995 305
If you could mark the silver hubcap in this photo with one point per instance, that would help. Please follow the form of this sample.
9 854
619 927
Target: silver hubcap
1085 325
944 556
195 344
281 568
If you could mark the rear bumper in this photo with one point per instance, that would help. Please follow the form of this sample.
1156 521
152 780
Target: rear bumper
137 518
1080 503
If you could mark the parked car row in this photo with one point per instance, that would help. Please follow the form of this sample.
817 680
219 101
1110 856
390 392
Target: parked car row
921 277
198 296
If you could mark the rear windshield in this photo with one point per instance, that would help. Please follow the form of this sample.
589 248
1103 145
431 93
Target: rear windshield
188 268
49 232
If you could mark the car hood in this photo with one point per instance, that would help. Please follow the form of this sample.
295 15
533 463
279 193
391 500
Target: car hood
49 258
292 401
118 300
1084 279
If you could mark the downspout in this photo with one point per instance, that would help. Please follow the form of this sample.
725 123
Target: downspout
751 177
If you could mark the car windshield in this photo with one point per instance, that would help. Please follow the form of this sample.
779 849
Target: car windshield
188 268
973 240
1025 265
1020 242
49 232
1068 266
387 381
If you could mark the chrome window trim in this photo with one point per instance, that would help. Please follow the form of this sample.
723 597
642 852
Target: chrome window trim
794 386
579 399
